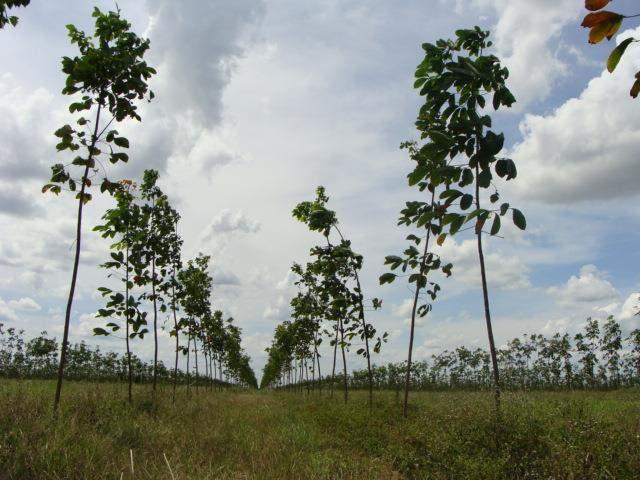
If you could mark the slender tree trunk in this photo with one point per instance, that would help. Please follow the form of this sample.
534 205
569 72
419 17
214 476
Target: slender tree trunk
416 298
315 346
195 351
295 376
366 339
487 311
74 274
188 358
215 372
126 317
206 369
335 354
364 328
175 325
175 322
313 370
155 323
211 373
306 369
344 363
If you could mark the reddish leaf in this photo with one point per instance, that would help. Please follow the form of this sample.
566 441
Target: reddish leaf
597 18
594 5
605 29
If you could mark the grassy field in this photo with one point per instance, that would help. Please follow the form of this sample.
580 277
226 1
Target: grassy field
265 435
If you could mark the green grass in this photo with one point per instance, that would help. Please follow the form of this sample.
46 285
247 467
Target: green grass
265 435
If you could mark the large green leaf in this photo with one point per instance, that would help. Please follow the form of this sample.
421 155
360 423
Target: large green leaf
519 220
617 54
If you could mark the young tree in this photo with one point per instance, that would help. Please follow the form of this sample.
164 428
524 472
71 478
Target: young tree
195 301
158 249
634 340
419 215
125 224
610 345
587 345
110 74
172 288
308 307
344 262
456 77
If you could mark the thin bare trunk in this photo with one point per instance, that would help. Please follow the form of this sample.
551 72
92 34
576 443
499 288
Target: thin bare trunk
335 354
487 311
318 362
365 329
155 323
126 319
195 351
76 262
414 309
211 373
306 369
366 339
215 371
175 324
188 359
344 363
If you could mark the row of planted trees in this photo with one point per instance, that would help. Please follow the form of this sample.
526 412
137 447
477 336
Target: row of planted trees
151 281
455 168
148 283
330 303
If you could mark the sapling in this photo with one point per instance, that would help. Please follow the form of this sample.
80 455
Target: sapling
158 249
342 261
110 74
455 78
429 165
172 288
610 346
587 345
125 225
195 300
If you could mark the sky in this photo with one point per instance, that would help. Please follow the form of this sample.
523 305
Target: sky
258 102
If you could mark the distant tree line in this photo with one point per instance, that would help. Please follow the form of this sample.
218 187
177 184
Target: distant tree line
599 357
37 358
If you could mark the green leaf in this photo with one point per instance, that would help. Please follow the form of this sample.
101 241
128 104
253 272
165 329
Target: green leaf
121 142
519 220
466 201
456 224
617 54
493 143
100 331
414 238
387 278
495 227
484 179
